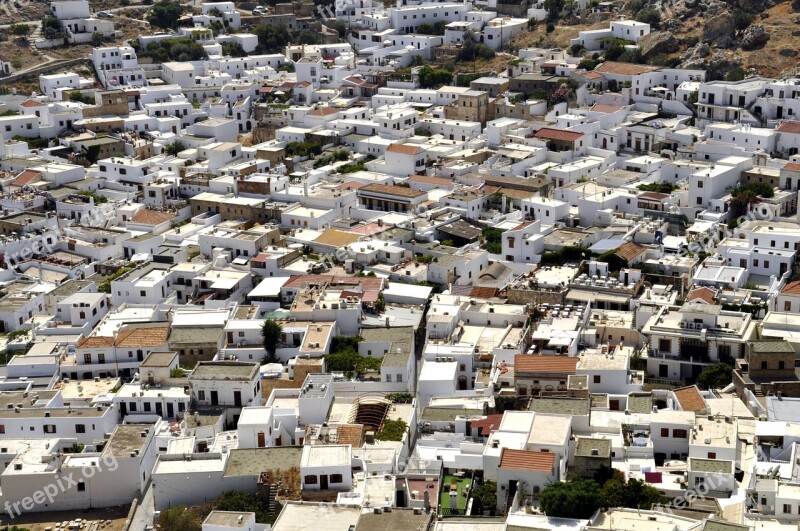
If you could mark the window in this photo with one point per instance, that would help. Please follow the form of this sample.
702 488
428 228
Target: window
665 345
201 395
787 306
81 486
87 358
132 407
80 428
699 184
597 378
147 406
665 432
388 377
679 434
336 478
399 378
787 508
49 428
101 358
310 479
2 428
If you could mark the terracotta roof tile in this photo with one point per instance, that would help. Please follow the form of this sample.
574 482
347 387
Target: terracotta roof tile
427 179
600 107
548 133
147 216
475 292
322 111
32 103
26 177
404 149
792 288
487 425
95 342
629 251
690 399
401 191
527 460
792 166
702 294
593 75
538 363
789 126
152 336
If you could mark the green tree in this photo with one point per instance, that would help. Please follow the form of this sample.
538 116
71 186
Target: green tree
233 49
272 38
484 497
392 430
473 50
437 28
51 28
165 14
306 36
554 9
173 148
271 332
434 77
649 15
735 74
572 499
97 39
180 519
715 376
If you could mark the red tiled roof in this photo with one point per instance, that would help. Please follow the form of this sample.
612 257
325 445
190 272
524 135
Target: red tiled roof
151 217
154 336
322 111
549 364
629 251
792 166
487 425
789 126
593 75
792 288
474 292
404 149
26 177
690 399
549 133
31 103
369 229
303 84
427 179
95 342
388 189
523 225
527 460
600 107
623 69
702 294
656 196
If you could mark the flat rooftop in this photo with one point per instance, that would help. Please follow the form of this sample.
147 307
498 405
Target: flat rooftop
126 439
224 370
254 461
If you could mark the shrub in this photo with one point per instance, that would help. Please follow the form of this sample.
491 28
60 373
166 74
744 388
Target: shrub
649 15
735 74
550 27
742 19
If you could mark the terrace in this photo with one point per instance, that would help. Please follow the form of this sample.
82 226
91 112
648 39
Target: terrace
455 493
